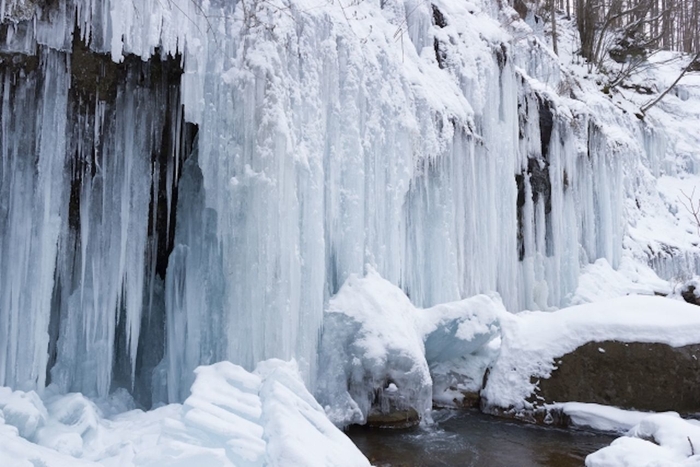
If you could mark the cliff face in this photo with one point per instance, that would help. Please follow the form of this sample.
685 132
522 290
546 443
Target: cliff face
183 183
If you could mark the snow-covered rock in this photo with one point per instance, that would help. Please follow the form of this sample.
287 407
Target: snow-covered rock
533 342
461 340
372 359
377 350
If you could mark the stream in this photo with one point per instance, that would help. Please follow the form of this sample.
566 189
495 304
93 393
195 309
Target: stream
470 438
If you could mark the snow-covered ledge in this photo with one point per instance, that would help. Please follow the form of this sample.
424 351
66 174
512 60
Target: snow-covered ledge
536 345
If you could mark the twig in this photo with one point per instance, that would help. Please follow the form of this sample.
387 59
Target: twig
691 207
692 448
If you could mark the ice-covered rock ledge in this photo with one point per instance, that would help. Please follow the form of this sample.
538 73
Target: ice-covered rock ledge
378 352
232 418
634 352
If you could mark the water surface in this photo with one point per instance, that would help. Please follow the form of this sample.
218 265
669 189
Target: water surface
469 438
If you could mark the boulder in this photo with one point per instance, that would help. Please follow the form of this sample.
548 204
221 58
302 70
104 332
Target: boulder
383 362
393 419
641 376
633 352
372 358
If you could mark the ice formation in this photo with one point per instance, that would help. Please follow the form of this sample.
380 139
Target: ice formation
378 351
185 182
231 418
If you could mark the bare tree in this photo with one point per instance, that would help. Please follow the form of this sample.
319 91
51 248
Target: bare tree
553 19
666 24
692 206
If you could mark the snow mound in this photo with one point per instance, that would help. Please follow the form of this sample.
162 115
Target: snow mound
599 281
531 341
232 418
377 349
657 440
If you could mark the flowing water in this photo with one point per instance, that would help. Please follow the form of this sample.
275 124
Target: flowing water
473 439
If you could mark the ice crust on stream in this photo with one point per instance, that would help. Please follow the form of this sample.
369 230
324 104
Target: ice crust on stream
237 163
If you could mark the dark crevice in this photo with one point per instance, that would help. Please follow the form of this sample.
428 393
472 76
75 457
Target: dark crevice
546 114
520 183
501 56
440 54
538 176
54 326
176 144
438 17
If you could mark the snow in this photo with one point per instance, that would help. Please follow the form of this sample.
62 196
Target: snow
231 418
657 440
532 340
599 281
600 417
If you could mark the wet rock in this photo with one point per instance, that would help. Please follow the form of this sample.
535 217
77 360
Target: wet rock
545 416
691 292
640 376
470 400
394 420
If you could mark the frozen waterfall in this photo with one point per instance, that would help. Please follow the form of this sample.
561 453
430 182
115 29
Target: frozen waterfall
197 181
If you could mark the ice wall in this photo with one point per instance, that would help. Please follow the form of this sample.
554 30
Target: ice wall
90 155
420 138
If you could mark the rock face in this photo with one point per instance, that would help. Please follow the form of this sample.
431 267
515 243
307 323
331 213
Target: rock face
639 376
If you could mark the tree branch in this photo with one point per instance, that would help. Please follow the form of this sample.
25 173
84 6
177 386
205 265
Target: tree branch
651 104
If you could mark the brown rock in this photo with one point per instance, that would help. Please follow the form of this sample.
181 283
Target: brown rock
395 419
640 376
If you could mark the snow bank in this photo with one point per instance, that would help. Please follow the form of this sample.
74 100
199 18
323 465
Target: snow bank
600 417
657 440
599 281
232 418
531 341
377 349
